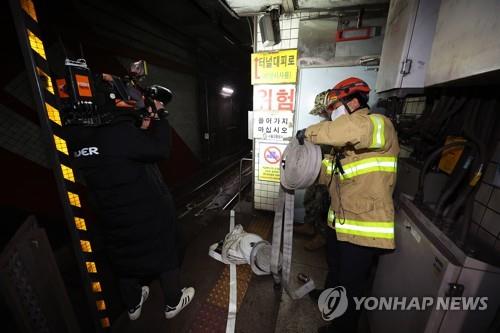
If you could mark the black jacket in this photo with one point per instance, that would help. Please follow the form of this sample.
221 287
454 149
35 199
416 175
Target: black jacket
132 202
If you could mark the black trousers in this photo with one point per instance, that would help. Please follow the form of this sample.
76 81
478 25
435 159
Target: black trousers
131 288
349 266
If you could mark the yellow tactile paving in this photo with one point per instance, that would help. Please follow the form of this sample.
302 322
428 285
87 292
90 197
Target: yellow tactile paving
212 317
260 227
219 295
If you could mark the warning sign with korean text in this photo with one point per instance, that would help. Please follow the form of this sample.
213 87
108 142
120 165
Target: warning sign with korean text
274 67
274 97
272 125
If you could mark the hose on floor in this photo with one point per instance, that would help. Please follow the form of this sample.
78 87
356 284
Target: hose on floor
300 167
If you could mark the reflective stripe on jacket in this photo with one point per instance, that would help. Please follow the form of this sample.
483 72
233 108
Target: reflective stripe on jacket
362 210
368 165
377 229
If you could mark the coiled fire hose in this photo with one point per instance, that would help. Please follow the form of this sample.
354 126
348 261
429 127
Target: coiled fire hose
300 167
237 248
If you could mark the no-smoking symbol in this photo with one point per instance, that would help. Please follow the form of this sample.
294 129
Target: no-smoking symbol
272 155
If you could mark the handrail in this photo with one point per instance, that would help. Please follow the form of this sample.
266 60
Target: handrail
241 166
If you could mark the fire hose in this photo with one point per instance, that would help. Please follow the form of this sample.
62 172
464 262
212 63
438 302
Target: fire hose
299 169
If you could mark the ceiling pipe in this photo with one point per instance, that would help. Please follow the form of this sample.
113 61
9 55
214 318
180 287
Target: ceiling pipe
286 4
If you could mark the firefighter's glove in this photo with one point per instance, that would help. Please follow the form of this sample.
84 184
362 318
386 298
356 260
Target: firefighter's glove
300 136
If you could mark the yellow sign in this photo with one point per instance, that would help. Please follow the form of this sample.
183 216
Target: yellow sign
274 67
270 160
270 174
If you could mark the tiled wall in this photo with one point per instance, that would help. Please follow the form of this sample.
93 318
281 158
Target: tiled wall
486 214
19 88
266 193
18 134
22 137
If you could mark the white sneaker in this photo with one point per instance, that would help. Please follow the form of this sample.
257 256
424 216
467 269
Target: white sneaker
186 298
135 313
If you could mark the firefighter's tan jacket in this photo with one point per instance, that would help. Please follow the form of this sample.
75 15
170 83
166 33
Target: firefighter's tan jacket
362 210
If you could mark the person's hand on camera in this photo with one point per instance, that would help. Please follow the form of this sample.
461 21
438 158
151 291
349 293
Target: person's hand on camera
158 109
161 112
146 120
301 136
159 105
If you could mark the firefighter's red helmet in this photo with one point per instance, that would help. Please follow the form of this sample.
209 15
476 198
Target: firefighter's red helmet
346 88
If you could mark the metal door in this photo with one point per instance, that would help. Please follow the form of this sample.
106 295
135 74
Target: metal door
312 81
397 38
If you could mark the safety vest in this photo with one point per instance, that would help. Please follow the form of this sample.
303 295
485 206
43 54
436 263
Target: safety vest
361 210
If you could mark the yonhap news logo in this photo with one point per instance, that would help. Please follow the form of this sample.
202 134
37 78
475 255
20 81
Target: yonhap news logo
333 303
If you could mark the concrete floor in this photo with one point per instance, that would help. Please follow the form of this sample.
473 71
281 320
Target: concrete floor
302 315
261 308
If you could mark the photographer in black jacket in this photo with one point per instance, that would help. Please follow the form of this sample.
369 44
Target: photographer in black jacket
134 207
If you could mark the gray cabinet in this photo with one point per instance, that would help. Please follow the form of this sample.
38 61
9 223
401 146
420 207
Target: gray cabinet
424 264
466 42
407 44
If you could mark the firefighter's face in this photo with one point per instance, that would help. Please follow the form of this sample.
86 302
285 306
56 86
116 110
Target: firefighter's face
352 105
332 108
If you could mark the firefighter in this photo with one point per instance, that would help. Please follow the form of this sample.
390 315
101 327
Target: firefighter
134 206
360 174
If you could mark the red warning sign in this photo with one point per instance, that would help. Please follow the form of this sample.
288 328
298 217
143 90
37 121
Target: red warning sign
272 155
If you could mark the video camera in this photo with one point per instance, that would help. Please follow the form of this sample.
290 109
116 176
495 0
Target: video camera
89 100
